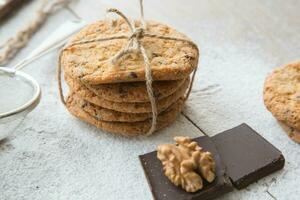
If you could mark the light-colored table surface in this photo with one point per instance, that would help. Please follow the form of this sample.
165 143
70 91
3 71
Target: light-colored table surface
52 155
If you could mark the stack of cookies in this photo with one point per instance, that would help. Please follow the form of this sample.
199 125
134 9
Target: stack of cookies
115 98
282 97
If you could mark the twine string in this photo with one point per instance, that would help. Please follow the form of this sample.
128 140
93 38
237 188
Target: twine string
133 46
144 25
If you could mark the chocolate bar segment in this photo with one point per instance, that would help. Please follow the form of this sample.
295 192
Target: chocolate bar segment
163 189
247 155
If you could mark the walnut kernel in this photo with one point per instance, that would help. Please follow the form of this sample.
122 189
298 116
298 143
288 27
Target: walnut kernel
185 164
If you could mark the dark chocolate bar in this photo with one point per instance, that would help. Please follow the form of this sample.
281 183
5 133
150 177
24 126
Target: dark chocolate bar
247 155
163 189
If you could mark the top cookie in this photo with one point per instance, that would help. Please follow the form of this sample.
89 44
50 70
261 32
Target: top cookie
282 94
90 62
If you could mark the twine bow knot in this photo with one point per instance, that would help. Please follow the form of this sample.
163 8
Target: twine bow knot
133 46
138 33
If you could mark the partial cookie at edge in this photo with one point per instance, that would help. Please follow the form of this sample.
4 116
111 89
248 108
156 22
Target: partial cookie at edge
282 94
292 133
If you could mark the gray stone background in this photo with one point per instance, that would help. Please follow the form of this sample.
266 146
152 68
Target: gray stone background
52 155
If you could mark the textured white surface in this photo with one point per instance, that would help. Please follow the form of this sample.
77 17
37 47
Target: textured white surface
52 155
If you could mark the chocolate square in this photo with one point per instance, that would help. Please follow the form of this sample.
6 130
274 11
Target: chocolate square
247 155
163 189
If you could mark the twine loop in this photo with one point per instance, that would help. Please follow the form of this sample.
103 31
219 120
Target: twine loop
137 34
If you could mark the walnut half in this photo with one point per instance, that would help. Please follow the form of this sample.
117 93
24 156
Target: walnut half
185 164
